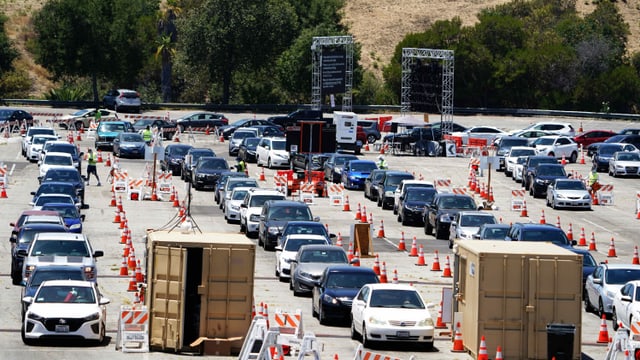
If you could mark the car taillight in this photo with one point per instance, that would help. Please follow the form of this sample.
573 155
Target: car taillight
89 273
28 270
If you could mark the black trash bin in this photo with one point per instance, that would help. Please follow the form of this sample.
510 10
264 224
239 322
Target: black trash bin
560 341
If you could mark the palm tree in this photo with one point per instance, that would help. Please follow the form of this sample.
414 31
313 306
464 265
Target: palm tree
168 35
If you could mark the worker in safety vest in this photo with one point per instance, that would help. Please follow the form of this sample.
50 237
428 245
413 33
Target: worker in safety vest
240 166
382 163
594 185
92 159
147 135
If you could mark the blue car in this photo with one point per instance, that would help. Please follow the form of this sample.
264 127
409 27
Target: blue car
72 218
129 145
71 176
333 293
354 173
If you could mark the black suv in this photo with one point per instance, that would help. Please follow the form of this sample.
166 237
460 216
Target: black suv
275 215
412 204
207 171
371 183
174 157
540 233
439 213
529 168
544 175
370 128
201 120
190 161
386 188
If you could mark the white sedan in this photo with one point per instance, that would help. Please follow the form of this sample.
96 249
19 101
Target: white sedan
624 163
626 305
288 249
65 308
511 158
569 193
480 132
232 208
391 312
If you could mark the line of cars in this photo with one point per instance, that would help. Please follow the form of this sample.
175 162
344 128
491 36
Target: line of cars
53 260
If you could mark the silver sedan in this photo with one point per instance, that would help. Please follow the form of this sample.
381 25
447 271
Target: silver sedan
568 193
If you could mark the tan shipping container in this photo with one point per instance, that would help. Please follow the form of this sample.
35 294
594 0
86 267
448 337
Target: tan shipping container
510 291
199 286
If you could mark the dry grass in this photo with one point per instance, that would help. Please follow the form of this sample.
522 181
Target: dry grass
376 24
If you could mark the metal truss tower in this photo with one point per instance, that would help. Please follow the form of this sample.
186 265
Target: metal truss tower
316 79
409 56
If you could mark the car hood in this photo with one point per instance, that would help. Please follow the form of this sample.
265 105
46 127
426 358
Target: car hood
415 203
348 293
62 310
573 193
359 174
398 314
108 133
628 163
550 177
132 144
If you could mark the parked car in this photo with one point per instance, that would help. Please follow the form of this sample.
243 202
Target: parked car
122 100
130 145
633 139
190 160
174 157
272 152
488 133
233 182
440 212
78 306
530 166
626 305
232 207
492 232
222 181
561 128
247 149
15 117
287 250
391 313
268 130
539 232
412 204
624 164
544 175
605 152
56 187
370 128
275 214
518 168
511 158
82 118
167 128
72 217
68 175
592 136
23 240
605 281
386 188
504 145
371 184
43 199
333 293
227 130
33 131
201 119
56 160
207 171
570 193
354 172
333 166
309 264
305 228
467 223
531 135
402 188
17 224
108 130
236 139
251 208
557 146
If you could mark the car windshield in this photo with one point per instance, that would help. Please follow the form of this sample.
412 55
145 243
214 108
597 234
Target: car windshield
476 220
420 195
609 150
279 145
363 167
394 180
350 280
494 233
41 200
40 276
522 152
570 185
57 160
628 156
68 212
340 160
179 150
26 235
64 148
543 160
259 200
507 143
195 155
132 138
65 294
396 299
337 256
251 141
242 183
111 127
242 134
39 140
62 175
60 247
457 203
557 237
621 276
295 244
551 171
544 141
239 122
290 213
239 195
48 188
35 131
307 229
213 164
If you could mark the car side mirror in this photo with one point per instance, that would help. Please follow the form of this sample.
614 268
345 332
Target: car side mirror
82 217
33 193
243 206
27 299
626 298
595 281
22 252
316 218
98 253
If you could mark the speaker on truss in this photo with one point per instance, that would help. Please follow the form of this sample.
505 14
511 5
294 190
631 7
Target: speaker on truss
426 86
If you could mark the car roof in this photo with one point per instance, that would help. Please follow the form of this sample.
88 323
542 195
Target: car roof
391 286
44 226
61 236
312 247
307 236
286 203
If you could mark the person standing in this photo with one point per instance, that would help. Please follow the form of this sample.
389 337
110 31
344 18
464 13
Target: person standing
382 163
147 135
92 160
240 166
593 181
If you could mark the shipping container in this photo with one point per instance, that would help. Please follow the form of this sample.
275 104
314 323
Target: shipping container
509 292
200 285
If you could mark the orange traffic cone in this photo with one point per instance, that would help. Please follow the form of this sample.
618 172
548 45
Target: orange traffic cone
124 270
356 259
447 268
262 177
176 201
108 162
113 200
524 212
123 236
376 265
439 323
436 261
499 353
612 249
458 346
99 156
350 252
401 244
172 197
603 335
558 223
491 198
339 240
261 309
383 273
132 258
346 206
638 214
636 259
395 277
123 220
221 139
381 230
583 238
253 308
382 150
366 147
117 218
570 232
594 199
3 193
580 128
119 204
133 285
482 352
421 261
582 162
207 131
592 243
414 248
563 162
363 216
78 136
542 219
358 213
139 276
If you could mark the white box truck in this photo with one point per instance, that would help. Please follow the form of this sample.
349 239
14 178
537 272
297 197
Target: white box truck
347 131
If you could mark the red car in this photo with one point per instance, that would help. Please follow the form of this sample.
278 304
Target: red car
593 136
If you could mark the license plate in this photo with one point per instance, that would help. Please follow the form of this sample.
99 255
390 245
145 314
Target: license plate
62 328
402 334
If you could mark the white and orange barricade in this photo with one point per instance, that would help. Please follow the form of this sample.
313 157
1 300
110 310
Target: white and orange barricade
474 164
133 329
289 323
120 181
306 193
336 194
517 199
605 195
135 189
638 204
364 354
4 176
165 182
443 185
459 190
280 183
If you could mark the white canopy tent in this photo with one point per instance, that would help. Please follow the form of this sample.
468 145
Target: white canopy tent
409 120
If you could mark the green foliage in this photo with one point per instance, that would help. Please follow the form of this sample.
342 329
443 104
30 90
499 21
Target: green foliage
7 51
15 84
69 92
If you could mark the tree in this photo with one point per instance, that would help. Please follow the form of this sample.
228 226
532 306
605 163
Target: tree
7 52
168 35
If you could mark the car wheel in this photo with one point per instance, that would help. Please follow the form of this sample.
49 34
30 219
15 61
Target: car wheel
428 346
23 336
291 282
614 319
371 139
428 229
395 209
321 317
15 279
269 165
354 333
587 305
573 158
440 233
399 218
601 308
380 201
366 342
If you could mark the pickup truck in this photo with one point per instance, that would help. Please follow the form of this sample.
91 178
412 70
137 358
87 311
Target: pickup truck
300 114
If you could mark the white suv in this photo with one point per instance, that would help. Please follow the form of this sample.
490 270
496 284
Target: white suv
31 132
251 208
122 99
272 152
557 146
560 128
